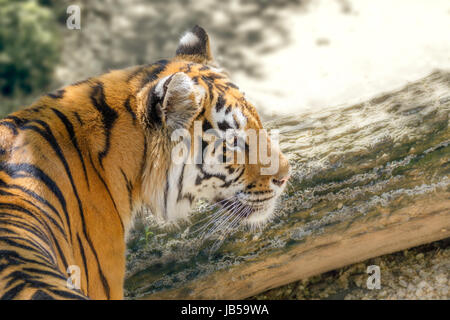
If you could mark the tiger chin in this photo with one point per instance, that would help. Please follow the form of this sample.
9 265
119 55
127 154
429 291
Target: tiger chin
78 163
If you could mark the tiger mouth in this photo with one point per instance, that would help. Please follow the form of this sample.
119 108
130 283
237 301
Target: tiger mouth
231 213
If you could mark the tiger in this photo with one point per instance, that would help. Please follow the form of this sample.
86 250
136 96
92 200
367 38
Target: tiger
79 163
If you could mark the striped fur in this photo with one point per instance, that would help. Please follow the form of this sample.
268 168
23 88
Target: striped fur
77 164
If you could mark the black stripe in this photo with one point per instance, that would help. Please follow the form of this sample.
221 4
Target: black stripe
232 85
201 113
10 126
224 125
153 71
60 253
25 211
6 193
31 229
102 276
36 197
180 183
130 111
166 192
9 241
138 71
73 139
77 116
221 88
15 259
144 157
13 170
16 276
129 186
207 176
109 117
8 231
206 125
37 284
220 103
210 87
68 295
40 199
45 254
239 176
13 292
211 76
195 79
35 109
49 217
59 94
236 124
107 189
41 295
187 68
230 169
18 121
50 231
83 257
154 113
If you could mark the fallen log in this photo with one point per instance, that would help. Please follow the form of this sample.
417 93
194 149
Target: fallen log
368 180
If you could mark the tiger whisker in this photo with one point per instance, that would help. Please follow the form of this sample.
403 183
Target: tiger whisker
218 202
216 217
212 221
239 217
226 218
237 212
208 217
211 215
231 226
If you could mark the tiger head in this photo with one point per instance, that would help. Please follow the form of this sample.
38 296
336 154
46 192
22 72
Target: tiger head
213 136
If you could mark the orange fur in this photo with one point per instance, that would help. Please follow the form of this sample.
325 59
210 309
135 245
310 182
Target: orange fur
92 142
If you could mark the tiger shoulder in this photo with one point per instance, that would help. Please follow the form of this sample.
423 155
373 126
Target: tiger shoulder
79 163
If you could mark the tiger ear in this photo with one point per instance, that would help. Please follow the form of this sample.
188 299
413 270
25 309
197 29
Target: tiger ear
194 46
173 102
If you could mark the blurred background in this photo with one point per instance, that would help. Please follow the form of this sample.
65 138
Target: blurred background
287 55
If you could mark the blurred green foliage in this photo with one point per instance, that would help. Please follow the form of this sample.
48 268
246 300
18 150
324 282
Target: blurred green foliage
29 49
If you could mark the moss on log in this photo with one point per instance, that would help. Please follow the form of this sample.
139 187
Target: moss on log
368 179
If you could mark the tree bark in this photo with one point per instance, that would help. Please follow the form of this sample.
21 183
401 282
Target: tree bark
368 180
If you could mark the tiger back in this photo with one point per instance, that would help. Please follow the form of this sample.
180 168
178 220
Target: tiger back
77 165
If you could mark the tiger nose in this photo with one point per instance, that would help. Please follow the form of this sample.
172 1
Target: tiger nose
282 176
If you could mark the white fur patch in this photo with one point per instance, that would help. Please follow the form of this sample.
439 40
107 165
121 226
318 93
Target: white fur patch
159 90
242 120
189 39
